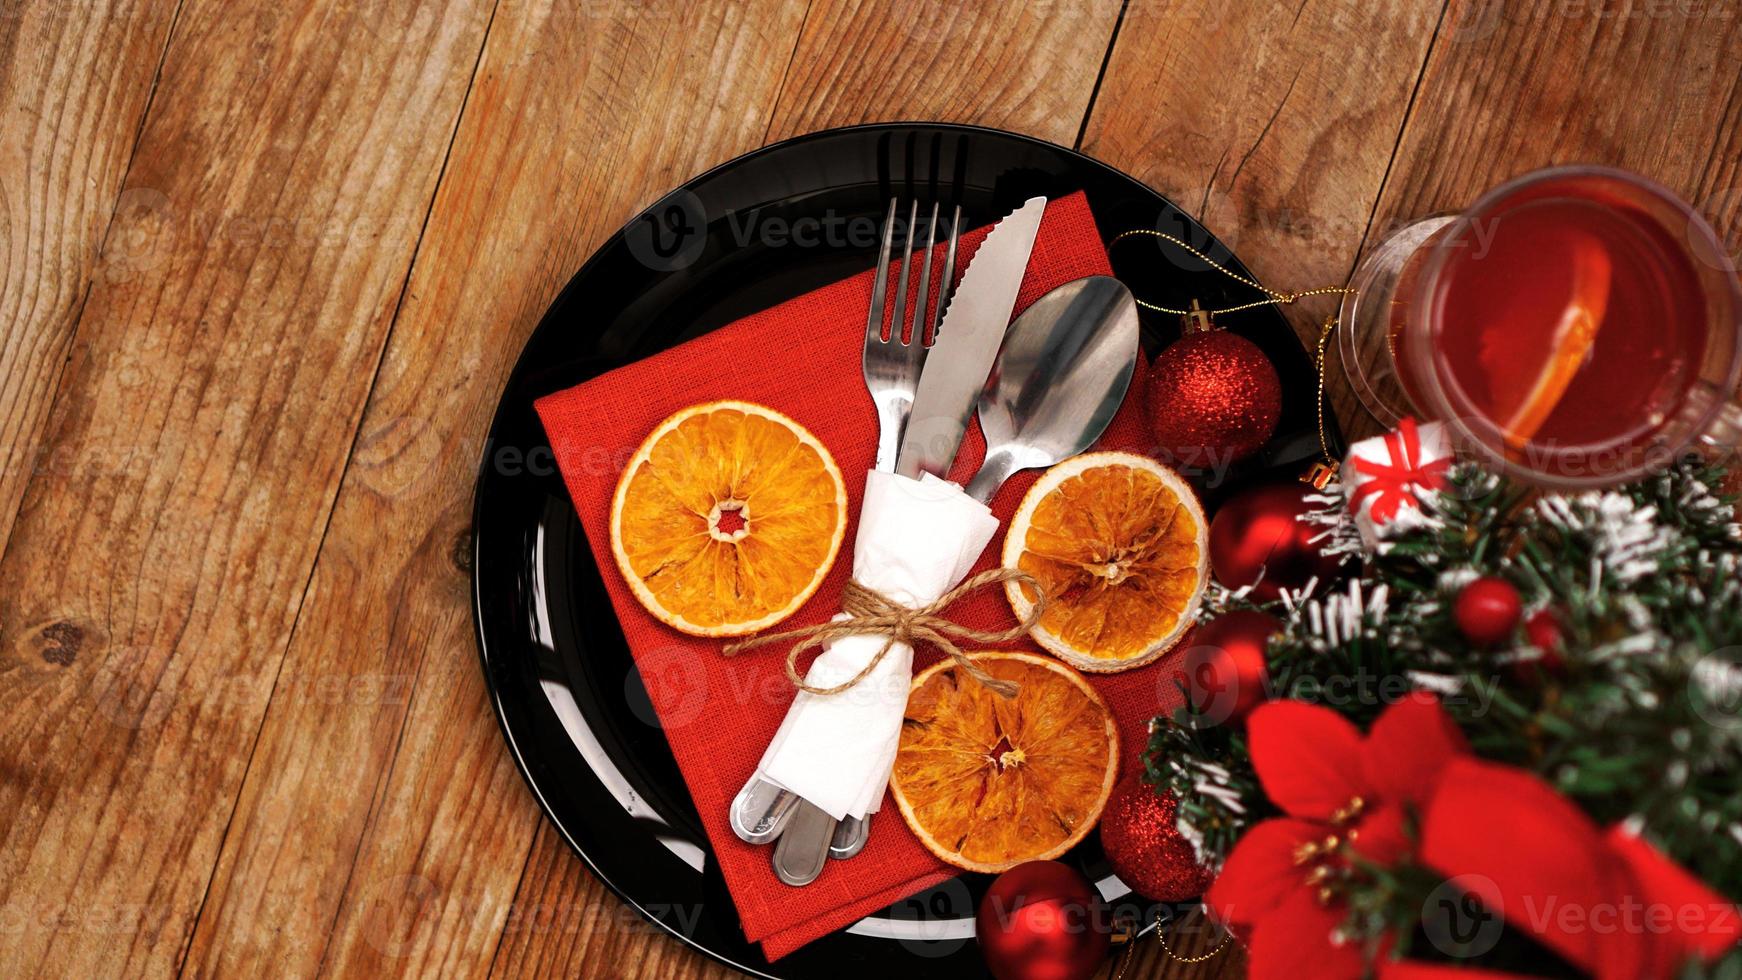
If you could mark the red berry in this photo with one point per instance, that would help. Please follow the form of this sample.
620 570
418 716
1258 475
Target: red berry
1543 630
1487 610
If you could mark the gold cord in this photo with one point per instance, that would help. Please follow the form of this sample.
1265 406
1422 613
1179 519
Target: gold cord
1321 474
1272 297
1161 937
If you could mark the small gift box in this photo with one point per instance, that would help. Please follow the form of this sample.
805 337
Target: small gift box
1387 477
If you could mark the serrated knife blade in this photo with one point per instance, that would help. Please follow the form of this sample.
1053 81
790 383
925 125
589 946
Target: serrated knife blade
967 343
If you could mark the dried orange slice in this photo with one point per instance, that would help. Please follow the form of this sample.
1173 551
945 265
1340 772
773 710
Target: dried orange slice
988 783
1120 545
727 518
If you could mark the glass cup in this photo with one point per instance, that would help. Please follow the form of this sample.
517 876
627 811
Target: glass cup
1576 327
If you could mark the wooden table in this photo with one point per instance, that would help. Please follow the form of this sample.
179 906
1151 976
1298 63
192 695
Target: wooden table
268 263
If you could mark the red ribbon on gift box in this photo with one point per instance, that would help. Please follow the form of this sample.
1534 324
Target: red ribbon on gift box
1392 484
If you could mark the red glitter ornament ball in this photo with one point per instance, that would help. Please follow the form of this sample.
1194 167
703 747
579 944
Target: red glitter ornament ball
1487 610
1140 835
1043 921
1214 398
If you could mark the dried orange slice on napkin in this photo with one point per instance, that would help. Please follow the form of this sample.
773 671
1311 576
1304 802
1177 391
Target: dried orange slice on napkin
987 783
1120 544
727 518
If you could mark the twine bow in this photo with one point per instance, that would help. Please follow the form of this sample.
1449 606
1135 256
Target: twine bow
1391 483
871 613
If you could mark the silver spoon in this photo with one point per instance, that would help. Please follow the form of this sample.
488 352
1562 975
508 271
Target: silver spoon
1063 370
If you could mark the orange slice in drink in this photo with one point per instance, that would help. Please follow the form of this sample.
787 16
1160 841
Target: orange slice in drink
1120 544
727 518
1527 394
987 783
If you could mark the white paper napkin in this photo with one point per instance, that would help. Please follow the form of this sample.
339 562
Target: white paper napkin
917 539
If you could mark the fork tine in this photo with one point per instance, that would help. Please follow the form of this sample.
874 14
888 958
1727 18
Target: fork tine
879 286
924 292
898 317
949 271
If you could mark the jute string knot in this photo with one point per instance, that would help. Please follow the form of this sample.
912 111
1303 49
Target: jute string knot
871 613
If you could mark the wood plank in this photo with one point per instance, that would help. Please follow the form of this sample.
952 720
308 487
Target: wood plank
396 819
1027 67
74 82
148 591
1033 69
1271 123
1544 83
1190 950
566 923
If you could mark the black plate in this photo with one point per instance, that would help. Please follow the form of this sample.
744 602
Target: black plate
740 238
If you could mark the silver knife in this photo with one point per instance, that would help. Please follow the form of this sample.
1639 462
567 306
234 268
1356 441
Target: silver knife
967 342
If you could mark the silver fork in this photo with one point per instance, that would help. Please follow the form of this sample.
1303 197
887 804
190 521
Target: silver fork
892 365
762 812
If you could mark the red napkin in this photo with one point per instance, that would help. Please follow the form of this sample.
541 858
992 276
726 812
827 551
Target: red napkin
803 358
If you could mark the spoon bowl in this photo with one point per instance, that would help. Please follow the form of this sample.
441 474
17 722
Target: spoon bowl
1060 376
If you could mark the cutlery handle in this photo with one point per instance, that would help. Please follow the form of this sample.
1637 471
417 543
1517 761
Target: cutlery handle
803 848
1000 464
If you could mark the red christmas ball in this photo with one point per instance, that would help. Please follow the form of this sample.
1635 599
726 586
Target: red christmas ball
1258 536
1140 833
1214 398
1487 610
1224 664
1042 921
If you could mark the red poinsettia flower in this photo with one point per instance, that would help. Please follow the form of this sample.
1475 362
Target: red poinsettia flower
1607 902
1345 797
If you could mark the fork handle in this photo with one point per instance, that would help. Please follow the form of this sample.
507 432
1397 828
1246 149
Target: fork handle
891 420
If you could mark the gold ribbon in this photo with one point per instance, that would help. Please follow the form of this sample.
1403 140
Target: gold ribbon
871 613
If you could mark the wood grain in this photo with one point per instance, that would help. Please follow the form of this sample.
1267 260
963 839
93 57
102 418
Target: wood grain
1653 88
567 924
1272 123
256 320
74 82
410 861
149 587
1046 57
1029 67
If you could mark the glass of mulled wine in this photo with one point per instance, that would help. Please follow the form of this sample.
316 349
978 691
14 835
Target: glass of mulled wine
1577 327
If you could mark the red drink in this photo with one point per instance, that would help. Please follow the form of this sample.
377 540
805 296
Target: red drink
1566 326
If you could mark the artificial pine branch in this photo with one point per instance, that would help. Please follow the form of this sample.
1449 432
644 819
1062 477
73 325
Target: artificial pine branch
1636 723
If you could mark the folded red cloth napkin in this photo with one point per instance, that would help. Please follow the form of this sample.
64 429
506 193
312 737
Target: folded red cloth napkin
803 358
